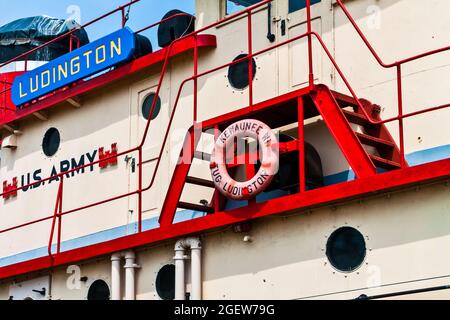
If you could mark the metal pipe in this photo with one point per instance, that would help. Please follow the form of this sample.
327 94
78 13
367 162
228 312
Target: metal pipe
195 245
403 293
130 280
196 272
180 288
130 266
115 276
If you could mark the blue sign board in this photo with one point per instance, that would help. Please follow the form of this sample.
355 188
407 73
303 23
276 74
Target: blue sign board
73 66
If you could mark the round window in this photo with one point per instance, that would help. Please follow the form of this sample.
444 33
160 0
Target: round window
98 290
346 249
238 73
165 282
51 142
147 105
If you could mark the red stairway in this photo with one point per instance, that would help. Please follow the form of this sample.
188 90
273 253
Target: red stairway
374 135
332 106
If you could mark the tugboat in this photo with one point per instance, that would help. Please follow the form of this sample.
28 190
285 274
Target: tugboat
271 149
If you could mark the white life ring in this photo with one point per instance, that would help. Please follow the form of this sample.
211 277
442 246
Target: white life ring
268 145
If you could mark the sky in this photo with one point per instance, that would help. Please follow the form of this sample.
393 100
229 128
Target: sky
142 13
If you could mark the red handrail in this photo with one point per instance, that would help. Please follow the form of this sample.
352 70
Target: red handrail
139 147
398 64
373 51
71 37
248 11
63 36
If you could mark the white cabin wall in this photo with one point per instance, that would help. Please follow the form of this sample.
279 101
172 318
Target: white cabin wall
66 283
102 120
216 95
283 250
208 12
396 28
399 29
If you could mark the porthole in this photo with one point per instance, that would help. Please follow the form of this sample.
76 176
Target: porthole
98 290
51 142
238 73
346 249
165 282
147 105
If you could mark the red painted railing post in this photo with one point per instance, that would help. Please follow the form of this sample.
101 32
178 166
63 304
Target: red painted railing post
195 77
310 51
250 58
123 17
58 246
140 189
301 145
55 215
4 97
400 115
217 194
250 165
71 43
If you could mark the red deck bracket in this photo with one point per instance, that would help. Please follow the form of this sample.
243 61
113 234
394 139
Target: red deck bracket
107 158
7 189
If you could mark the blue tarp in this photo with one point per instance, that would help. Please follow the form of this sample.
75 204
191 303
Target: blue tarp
25 34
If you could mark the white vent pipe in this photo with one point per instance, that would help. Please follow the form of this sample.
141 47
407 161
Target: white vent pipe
129 266
195 245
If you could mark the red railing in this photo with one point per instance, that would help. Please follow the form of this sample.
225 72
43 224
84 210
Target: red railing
74 39
58 210
70 34
24 57
398 65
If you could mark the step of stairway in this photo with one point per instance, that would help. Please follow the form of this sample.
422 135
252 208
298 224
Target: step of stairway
384 163
375 142
195 207
357 118
200 182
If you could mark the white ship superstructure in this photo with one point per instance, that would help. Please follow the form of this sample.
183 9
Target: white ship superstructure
109 151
